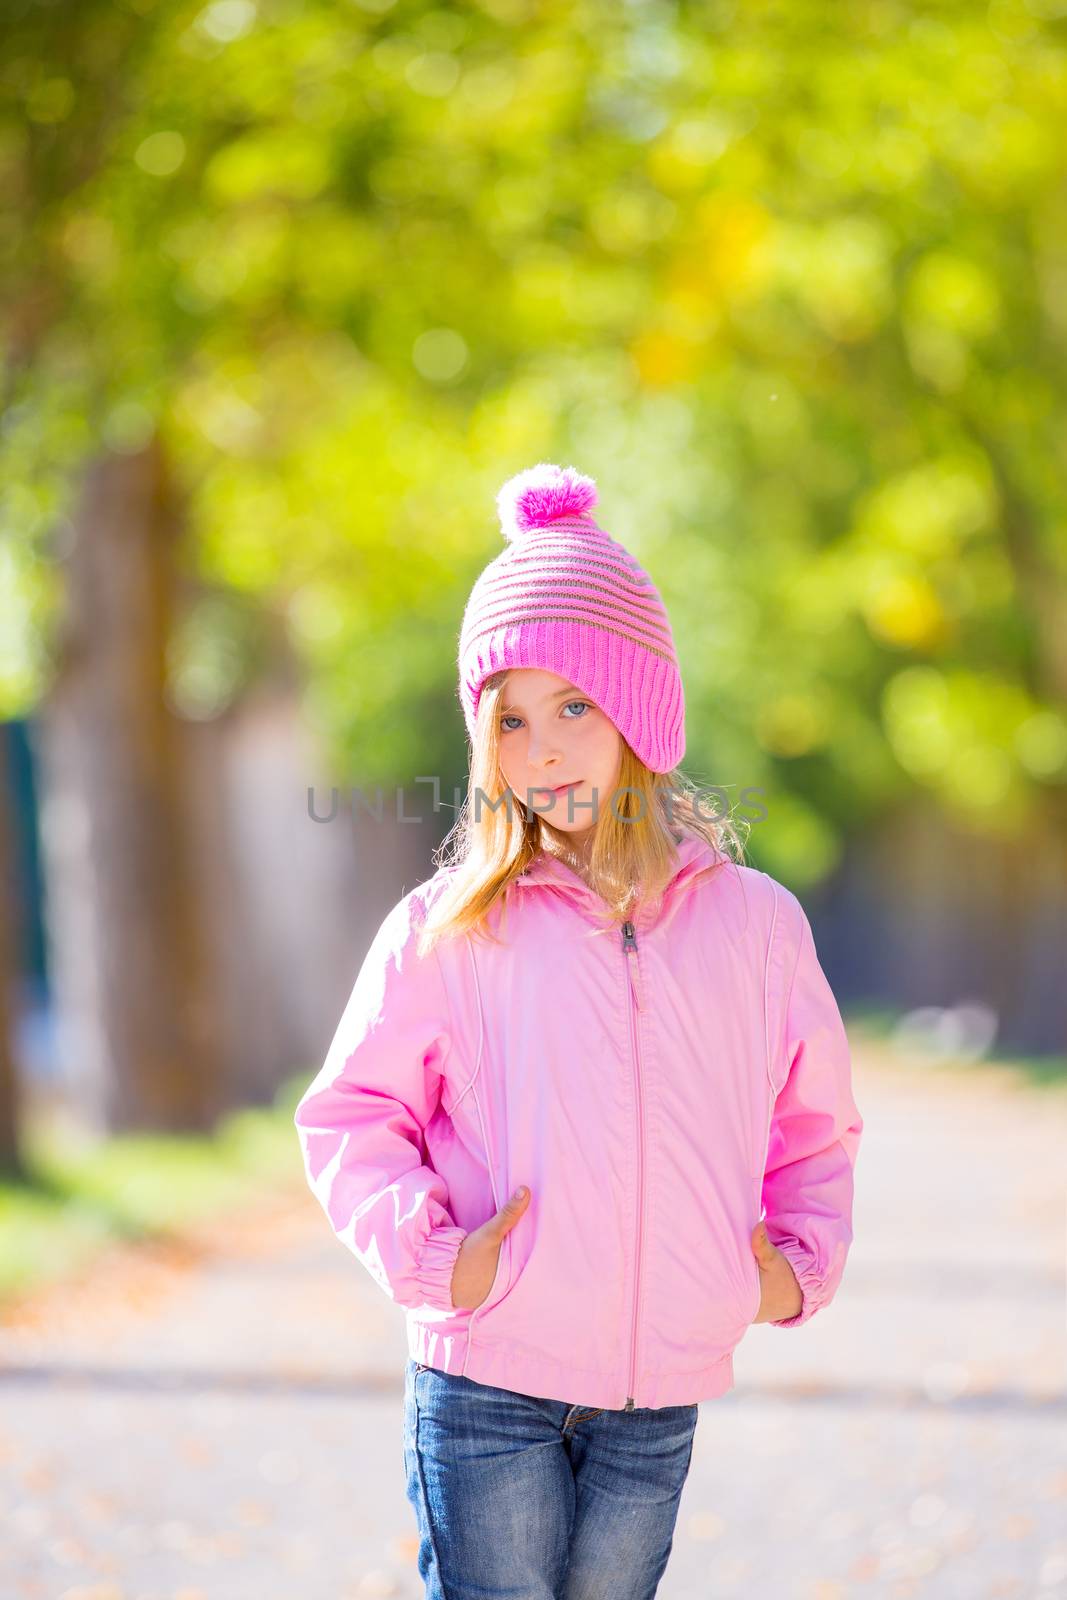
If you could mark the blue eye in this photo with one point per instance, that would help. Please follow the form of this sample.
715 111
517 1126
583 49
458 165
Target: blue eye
512 717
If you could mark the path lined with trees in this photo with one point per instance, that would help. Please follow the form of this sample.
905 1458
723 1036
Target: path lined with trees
224 1419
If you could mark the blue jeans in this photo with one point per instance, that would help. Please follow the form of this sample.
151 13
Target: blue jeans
537 1499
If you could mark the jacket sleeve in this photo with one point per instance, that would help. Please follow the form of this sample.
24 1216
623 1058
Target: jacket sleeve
814 1137
360 1122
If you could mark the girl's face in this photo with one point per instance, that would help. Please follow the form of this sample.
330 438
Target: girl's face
552 734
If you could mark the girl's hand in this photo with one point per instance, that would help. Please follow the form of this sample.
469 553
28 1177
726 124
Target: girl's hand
476 1259
780 1294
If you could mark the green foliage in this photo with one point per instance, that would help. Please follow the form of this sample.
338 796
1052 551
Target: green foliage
85 1195
789 283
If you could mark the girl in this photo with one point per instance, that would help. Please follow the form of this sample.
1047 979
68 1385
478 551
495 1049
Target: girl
588 1113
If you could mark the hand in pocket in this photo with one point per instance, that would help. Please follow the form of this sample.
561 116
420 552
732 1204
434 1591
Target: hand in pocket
477 1257
780 1294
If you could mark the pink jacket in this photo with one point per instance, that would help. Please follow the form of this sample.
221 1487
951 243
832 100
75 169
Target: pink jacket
658 1087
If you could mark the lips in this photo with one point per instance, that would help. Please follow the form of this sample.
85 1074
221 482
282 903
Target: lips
563 787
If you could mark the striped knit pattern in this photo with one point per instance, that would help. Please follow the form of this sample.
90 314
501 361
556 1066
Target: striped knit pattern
568 598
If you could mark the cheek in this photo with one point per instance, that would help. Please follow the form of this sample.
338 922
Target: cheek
511 766
609 753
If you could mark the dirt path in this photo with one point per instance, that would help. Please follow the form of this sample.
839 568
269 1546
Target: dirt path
222 1420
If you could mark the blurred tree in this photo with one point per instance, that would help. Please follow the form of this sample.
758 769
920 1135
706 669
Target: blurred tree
11 1164
124 921
123 928
356 264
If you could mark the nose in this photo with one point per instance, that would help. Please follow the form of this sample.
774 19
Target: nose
539 753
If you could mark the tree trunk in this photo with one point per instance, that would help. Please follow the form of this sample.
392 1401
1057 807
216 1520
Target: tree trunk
10 1163
140 1043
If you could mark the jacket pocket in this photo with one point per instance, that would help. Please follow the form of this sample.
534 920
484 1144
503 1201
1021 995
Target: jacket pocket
757 1288
501 1280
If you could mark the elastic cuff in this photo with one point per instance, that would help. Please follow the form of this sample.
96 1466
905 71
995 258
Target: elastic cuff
436 1260
807 1276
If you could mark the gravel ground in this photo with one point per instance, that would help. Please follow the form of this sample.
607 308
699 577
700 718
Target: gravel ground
181 1424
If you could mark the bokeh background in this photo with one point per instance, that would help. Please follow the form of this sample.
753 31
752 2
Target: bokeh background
289 288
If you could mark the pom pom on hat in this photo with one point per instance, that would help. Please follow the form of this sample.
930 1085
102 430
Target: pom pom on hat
536 497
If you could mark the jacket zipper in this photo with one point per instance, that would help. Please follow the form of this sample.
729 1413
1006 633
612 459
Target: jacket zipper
629 945
633 973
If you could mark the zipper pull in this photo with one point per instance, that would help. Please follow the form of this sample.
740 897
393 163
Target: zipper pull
629 1406
629 945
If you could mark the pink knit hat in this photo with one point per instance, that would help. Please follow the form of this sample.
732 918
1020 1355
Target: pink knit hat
568 598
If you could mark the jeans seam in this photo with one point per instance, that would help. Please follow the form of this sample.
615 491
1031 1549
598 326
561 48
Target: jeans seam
422 1491
581 1416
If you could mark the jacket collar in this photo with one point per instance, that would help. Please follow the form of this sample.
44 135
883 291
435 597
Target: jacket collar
693 856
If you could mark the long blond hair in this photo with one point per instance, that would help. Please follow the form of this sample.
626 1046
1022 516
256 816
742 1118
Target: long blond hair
496 836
